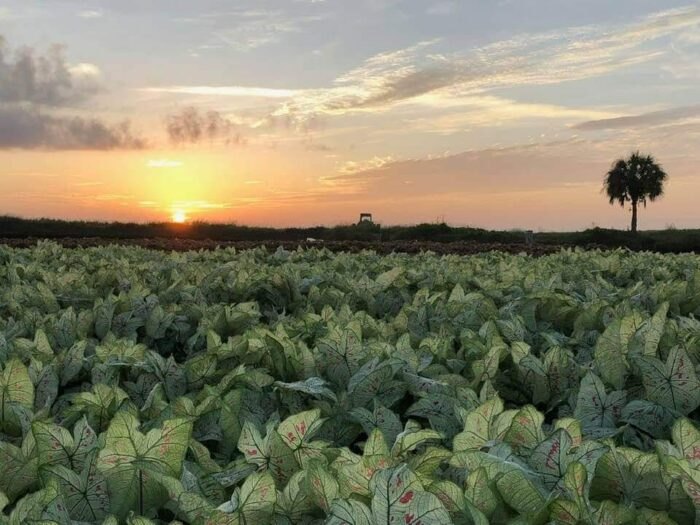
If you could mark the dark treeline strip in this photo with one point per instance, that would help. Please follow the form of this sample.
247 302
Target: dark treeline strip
670 240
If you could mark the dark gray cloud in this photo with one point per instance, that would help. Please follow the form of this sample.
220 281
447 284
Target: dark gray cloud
24 127
190 126
46 79
644 120
34 87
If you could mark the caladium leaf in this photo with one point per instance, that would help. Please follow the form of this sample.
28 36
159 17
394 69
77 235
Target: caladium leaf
399 498
313 385
342 353
16 395
672 384
611 349
100 405
478 426
480 494
374 382
85 495
381 417
253 504
43 507
56 446
297 432
408 440
552 457
647 339
294 502
597 410
349 512
521 494
653 419
497 460
624 474
687 438
321 485
46 387
610 513
129 458
271 452
19 469
525 430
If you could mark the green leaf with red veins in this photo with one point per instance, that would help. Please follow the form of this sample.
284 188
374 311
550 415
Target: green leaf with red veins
573 427
521 494
131 461
342 353
381 417
399 498
449 494
629 475
294 501
687 438
253 446
478 426
611 349
257 499
85 495
297 431
282 462
610 513
549 458
349 512
321 485
479 493
498 460
525 430
42 508
19 469
597 410
408 441
673 384
565 512
56 446
16 392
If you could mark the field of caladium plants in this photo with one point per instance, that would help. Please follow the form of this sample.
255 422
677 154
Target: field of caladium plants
263 387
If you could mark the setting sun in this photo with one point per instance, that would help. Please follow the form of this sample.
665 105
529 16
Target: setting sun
179 216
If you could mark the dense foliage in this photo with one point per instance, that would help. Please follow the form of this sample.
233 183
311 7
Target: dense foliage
308 387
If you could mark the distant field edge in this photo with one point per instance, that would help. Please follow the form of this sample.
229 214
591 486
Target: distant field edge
19 231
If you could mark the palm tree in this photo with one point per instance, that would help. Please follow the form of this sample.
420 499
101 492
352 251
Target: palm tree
636 180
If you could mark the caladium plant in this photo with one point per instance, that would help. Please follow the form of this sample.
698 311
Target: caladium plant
277 387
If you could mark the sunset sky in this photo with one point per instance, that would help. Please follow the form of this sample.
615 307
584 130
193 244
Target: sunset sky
499 113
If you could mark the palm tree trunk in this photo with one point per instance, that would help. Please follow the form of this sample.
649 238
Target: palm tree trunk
634 216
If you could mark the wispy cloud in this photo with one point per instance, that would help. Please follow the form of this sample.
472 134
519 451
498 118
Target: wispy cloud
164 163
644 120
190 126
90 13
374 163
534 59
423 75
24 127
224 91
248 29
